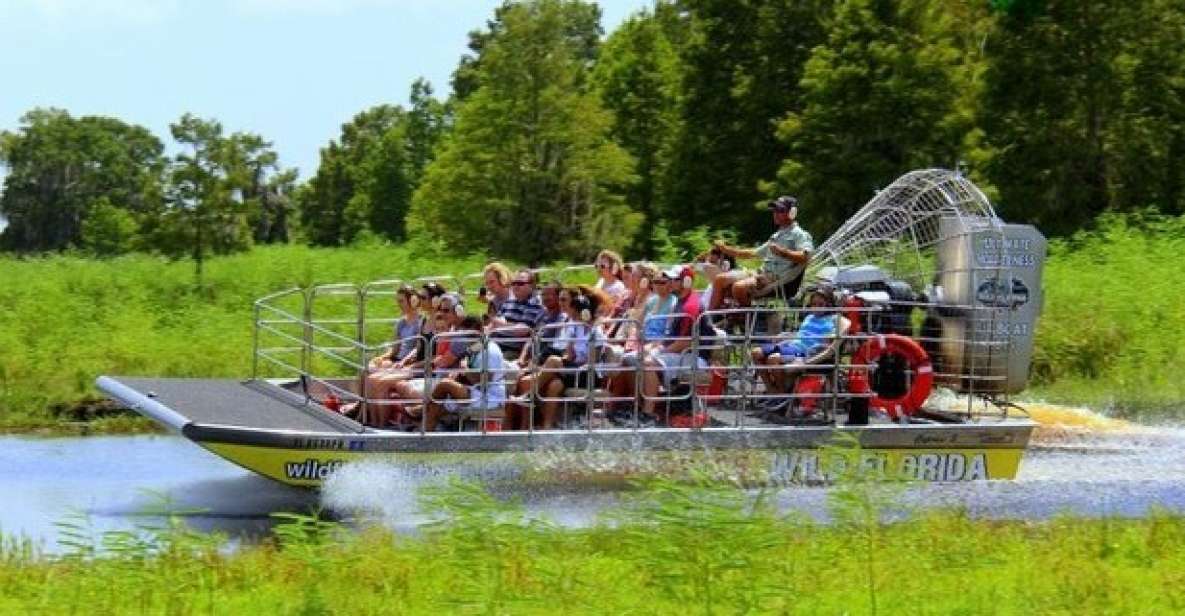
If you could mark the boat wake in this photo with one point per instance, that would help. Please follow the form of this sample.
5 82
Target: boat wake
1080 462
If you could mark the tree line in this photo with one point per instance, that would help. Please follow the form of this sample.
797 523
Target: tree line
558 140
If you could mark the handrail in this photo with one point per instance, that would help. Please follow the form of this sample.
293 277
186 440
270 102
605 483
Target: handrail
274 340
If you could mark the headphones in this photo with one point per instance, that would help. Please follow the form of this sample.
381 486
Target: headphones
582 302
459 309
725 264
413 298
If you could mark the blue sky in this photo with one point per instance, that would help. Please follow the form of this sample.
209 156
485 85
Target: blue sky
290 70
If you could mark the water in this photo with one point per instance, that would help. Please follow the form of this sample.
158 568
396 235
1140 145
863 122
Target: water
115 480
1126 471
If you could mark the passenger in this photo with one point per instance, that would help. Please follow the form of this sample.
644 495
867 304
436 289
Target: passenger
430 294
479 387
407 332
553 314
660 304
518 316
582 341
450 311
814 335
406 350
639 279
550 343
496 289
784 258
610 269
669 354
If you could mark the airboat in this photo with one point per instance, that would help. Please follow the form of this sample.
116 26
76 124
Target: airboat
940 297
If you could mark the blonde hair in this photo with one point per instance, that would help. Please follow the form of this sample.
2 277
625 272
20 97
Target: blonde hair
501 272
613 258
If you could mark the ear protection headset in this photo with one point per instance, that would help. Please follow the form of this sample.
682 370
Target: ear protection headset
459 309
413 298
582 302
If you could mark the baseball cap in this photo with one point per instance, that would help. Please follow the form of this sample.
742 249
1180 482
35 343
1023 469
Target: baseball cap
677 272
785 203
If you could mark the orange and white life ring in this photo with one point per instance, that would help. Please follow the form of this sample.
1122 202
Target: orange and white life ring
919 362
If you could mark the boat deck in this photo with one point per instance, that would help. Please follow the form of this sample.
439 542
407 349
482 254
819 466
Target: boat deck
224 402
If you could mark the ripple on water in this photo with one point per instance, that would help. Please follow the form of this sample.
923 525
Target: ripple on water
1081 462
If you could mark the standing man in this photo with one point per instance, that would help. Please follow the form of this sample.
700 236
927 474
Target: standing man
784 257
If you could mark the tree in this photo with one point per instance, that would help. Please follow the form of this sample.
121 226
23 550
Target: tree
1083 109
60 168
109 230
877 103
637 77
744 60
203 216
427 121
222 193
361 182
581 30
529 171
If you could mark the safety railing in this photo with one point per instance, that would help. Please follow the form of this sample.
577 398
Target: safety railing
703 366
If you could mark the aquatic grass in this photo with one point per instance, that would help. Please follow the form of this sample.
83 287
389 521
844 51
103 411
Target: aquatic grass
674 549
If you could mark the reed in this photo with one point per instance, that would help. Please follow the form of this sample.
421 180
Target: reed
673 549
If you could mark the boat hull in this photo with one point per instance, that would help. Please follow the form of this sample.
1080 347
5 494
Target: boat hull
304 445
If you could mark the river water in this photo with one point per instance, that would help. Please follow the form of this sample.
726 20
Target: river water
116 482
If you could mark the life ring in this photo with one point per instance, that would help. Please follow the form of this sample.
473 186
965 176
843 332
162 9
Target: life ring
919 362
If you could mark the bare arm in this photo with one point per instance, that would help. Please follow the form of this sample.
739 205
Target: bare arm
797 256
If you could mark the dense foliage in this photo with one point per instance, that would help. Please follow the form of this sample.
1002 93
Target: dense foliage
558 139
672 550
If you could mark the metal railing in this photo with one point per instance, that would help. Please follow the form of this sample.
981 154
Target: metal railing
713 376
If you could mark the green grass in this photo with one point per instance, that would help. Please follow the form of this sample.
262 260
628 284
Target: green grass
678 550
1111 334
66 319
1113 328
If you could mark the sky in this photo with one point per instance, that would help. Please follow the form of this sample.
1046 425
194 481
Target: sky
292 71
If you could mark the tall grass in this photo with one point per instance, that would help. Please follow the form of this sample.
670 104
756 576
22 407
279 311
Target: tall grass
1113 328
1111 334
679 550
66 319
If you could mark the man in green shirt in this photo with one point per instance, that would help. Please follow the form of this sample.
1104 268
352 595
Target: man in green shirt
784 257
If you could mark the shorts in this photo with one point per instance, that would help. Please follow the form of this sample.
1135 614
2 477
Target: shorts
575 378
675 365
765 285
788 350
474 402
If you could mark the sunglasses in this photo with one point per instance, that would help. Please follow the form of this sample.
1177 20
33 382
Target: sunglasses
604 266
519 283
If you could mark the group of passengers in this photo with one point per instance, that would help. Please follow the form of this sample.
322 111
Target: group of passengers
540 343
